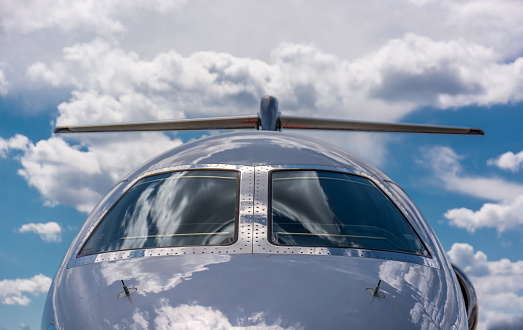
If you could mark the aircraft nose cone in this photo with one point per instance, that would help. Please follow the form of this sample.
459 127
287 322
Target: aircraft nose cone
265 291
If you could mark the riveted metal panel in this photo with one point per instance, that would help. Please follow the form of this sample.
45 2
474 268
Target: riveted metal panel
261 209
245 216
246 208
253 233
261 215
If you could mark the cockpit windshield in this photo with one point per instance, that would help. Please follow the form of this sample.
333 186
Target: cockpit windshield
184 208
331 209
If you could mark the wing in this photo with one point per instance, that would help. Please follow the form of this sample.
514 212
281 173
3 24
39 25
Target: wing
366 126
270 119
175 125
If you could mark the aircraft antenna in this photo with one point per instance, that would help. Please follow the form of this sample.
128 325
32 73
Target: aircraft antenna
375 292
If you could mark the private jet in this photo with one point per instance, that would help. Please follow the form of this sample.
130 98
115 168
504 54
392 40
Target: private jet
259 229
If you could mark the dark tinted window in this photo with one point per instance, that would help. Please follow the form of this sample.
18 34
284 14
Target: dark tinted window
329 209
174 209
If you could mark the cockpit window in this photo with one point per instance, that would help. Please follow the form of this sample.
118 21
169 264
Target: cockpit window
331 209
183 208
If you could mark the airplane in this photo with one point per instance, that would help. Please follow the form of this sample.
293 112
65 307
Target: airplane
259 229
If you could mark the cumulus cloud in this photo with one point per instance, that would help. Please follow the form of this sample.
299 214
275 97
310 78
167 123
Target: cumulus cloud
404 74
101 17
444 74
506 206
498 284
491 21
12 291
508 161
17 142
49 232
502 216
418 69
446 65
80 174
448 171
110 84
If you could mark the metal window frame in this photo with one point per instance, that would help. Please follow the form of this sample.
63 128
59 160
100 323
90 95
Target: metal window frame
261 243
253 215
243 244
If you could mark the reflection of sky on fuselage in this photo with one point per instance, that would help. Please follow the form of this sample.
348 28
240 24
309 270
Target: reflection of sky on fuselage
161 276
258 148
425 285
197 317
242 291
202 317
151 279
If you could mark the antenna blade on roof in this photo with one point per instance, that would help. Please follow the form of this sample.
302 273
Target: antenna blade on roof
364 126
176 125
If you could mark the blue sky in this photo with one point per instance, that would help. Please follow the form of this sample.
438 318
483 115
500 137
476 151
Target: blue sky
443 62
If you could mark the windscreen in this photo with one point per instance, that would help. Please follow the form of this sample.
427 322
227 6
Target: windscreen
184 208
331 209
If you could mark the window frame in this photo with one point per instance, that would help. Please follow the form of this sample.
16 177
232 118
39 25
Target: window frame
253 216
133 184
377 186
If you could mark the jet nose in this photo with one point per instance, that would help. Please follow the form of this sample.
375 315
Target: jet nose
260 291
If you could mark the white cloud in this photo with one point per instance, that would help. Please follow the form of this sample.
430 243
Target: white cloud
433 48
49 232
404 74
12 291
17 142
110 84
508 161
102 17
498 284
422 71
79 175
448 171
495 23
486 22
503 216
444 74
